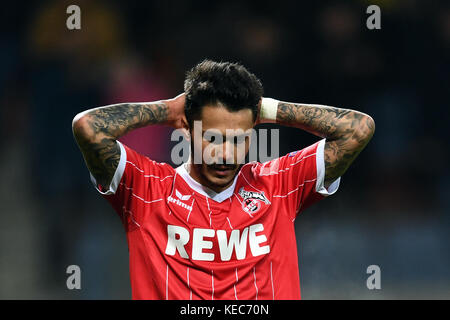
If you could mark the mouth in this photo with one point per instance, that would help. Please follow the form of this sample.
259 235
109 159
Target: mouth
222 170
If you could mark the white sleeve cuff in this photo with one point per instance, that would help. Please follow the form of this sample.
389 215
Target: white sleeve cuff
117 175
320 164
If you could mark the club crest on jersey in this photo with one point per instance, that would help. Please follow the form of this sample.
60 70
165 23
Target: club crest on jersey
252 200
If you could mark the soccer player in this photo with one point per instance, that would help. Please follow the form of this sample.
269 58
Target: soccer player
217 228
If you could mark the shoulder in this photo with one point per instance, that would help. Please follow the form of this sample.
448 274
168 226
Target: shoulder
143 165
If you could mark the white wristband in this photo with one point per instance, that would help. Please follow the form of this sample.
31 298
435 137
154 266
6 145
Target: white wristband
269 108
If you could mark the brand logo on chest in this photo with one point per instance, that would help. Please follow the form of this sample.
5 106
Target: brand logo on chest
181 198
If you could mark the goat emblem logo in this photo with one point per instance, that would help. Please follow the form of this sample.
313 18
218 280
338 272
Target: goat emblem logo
252 201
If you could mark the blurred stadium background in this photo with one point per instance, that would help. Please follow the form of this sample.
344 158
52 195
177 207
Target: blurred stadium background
392 210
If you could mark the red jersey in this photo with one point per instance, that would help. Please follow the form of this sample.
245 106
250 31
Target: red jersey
186 241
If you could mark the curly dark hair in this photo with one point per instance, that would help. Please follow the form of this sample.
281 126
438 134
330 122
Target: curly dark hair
231 84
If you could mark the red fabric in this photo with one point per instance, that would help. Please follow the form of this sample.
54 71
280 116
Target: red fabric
153 198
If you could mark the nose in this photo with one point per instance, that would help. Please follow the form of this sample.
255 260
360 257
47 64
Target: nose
227 153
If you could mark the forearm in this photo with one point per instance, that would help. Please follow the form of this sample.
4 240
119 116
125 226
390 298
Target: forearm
324 121
115 120
96 131
347 131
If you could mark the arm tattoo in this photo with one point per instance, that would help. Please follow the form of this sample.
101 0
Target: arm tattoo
347 132
97 134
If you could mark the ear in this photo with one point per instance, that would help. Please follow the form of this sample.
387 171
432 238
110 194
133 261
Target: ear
186 133
184 123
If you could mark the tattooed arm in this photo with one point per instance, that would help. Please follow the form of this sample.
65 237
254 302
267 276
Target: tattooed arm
96 130
347 132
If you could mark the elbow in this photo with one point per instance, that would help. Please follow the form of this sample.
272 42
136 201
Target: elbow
370 125
80 126
366 129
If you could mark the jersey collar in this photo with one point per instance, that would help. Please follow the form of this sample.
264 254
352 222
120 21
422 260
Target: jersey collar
205 191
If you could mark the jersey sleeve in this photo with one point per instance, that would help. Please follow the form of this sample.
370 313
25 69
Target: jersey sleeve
299 178
136 183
